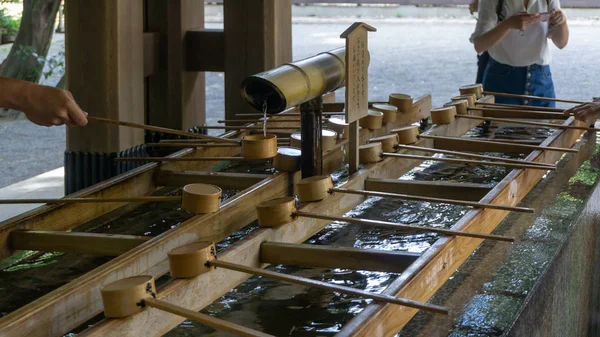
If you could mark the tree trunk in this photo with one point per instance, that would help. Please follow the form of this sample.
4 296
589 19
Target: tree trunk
27 56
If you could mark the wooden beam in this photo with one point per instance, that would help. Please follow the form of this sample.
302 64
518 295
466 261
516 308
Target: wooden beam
75 242
175 96
151 53
234 181
258 36
422 279
334 257
197 42
436 189
107 80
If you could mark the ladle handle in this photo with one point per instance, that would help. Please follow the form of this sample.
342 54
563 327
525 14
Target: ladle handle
159 129
204 319
328 286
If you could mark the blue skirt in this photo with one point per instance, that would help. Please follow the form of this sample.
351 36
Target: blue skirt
534 80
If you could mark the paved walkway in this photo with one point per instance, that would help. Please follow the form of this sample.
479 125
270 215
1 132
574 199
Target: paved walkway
46 185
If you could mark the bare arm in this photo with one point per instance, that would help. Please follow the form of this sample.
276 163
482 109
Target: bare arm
42 105
588 112
494 36
560 30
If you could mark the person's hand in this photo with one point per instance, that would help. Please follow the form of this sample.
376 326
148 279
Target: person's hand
587 113
48 106
473 6
557 17
521 20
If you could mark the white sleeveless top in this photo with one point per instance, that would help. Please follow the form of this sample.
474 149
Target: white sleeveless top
514 49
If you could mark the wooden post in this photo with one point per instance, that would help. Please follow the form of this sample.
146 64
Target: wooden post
258 36
312 153
176 97
357 83
105 72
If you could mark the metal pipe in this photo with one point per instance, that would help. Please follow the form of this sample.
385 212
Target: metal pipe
292 84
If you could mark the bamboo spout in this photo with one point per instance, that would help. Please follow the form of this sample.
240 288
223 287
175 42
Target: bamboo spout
294 83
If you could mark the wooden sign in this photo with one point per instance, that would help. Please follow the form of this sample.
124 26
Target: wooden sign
357 65
357 84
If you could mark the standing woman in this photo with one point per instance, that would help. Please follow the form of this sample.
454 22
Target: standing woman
516 34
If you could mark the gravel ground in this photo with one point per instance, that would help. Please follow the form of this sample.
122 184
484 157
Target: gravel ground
413 56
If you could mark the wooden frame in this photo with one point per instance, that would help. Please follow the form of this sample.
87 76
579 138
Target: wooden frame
62 310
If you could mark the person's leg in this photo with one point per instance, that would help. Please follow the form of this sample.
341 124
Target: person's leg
503 78
540 84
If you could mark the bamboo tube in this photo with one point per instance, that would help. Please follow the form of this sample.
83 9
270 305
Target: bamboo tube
430 199
467 161
208 320
523 107
159 129
501 94
328 286
191 144
396 225
161 159
512 121
523 146
473 155
294 83
558 115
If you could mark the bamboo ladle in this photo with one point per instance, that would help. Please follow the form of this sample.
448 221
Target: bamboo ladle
473 155
129 296
512 121
501 94
558 115
254 147
160 129
522 146
197 258
281 211
394 225
319 187
196 198
523 107
373 152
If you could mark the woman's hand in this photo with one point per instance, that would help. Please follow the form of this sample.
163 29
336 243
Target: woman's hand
557 17
473 6
587 113
48 106
521 20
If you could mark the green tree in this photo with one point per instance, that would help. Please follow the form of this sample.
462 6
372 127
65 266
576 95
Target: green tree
27 56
